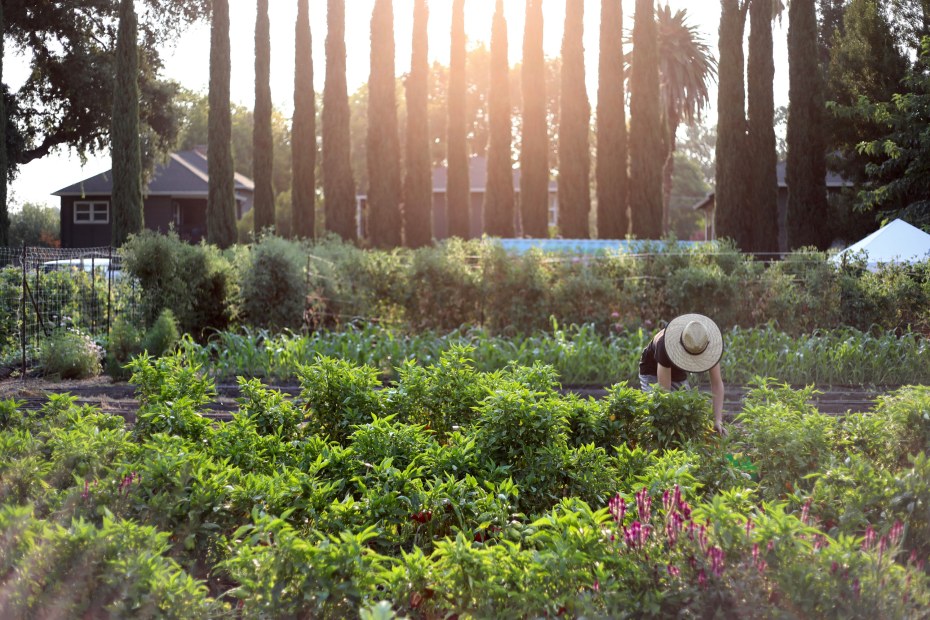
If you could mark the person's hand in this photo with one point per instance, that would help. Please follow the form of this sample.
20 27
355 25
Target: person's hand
720 429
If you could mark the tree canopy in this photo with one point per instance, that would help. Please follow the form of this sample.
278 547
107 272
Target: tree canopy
70 46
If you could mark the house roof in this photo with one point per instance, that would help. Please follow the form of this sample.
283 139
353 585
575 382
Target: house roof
477 177
184 174
833 180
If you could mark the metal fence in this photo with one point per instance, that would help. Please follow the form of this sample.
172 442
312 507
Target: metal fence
46 290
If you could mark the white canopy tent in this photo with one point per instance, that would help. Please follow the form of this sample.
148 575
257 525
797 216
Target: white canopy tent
898 242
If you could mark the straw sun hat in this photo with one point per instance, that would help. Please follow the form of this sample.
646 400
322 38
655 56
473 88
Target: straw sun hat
693 342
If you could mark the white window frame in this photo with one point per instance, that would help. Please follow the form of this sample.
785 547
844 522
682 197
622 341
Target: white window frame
177 215
96 211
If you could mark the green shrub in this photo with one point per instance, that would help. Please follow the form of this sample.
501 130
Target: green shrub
120 569
125 342
785 437
194 281
338 396
444 289
270 411
324 577
162 337
272 284
907 412
382 438
70 355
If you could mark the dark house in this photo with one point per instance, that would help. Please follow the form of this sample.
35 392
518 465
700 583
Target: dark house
176 196
834 182
478 177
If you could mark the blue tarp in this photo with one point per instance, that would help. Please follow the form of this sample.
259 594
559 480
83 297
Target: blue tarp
589 247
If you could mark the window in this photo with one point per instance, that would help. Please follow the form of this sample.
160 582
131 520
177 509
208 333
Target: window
91 212
176 213
553 209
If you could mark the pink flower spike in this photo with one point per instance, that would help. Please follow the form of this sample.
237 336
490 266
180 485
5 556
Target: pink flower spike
897 530
702 578
667 501
869 540
749 526
755 552
86 492
771 546
615 315
805 512
673 571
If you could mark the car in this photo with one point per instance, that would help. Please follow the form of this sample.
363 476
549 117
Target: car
101 265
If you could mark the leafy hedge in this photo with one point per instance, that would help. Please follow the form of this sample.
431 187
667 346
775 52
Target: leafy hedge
458 491
278 283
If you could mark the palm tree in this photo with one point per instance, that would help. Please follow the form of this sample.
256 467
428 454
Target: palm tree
686 68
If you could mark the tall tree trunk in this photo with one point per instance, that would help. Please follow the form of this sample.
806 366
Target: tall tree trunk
613 200
126 150
764 161
498 197
646 133
732 216
418 186
670 122
458 185
303 138
221 201
534 151
262 140
4 159
574 155
338 183
807 167
384 180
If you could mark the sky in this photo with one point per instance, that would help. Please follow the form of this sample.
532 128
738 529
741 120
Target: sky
187 60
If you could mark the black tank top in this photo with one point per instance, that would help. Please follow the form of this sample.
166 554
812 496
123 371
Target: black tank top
655 354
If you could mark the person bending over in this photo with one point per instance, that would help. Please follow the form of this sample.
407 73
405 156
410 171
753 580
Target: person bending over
689 343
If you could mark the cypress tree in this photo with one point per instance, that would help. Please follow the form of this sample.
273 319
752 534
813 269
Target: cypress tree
646 133
763 220
383 144
613 220
338 183
498 197
221 201
418 185
574 156
733 172
126 150
303 140
534 151
4 162
458 185
262 141
807 167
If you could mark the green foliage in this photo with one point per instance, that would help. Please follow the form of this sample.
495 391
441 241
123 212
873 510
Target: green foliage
271 413
534 505
170 393
193 281
785 437
35 225
337 396
70 355
126 341
120 568
328 577
272 284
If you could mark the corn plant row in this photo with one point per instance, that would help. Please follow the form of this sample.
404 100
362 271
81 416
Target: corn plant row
579 354
460 492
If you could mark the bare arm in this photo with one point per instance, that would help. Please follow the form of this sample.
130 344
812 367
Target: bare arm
665 376
716 387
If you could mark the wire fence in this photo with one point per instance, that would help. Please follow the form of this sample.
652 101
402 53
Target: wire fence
46 290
